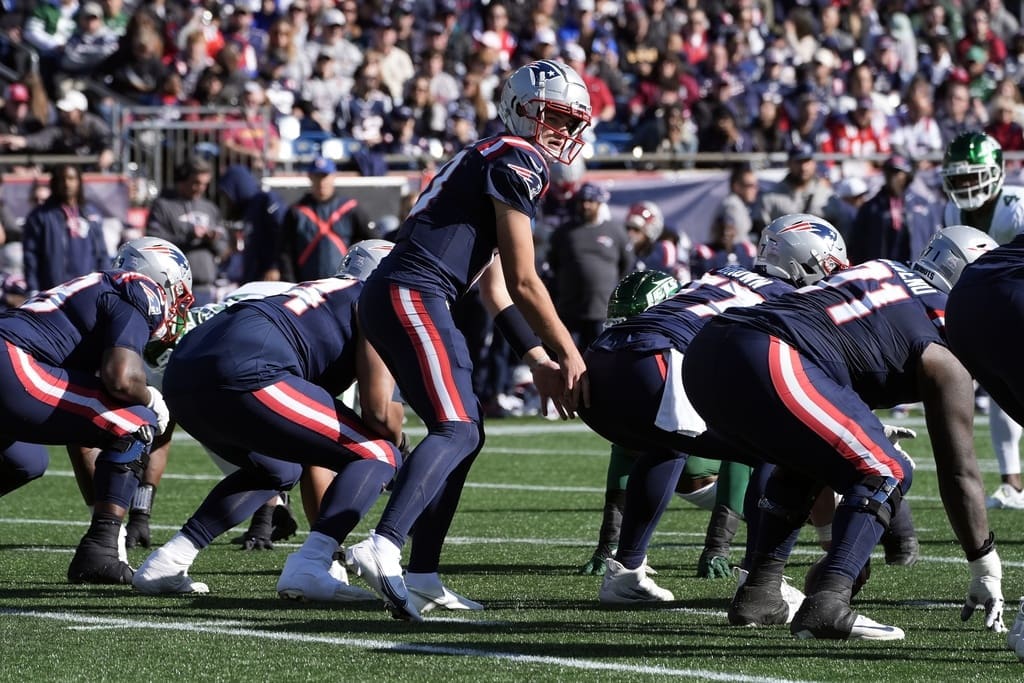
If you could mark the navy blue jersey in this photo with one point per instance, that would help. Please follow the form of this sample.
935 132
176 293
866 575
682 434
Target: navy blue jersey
70 326
306 331
674 322
866 326
450 235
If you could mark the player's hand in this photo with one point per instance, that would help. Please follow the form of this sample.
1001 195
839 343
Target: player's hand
547 377
577 384
985 591
137 530
158 406
250 542
895 433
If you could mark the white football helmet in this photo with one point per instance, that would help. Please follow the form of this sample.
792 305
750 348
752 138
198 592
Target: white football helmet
647 218
538 89
363 258
948 252
801 249
166 265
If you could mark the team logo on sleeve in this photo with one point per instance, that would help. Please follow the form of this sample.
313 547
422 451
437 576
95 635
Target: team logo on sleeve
532 180
154 298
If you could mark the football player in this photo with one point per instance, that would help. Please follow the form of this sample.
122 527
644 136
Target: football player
637 396
793 382
473 221
73 373
708 484
256 385
972 177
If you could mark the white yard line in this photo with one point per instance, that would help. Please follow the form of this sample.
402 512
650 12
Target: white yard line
84 621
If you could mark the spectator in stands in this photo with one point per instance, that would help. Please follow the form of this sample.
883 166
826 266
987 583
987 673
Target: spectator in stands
724 134
191 62
283 57
50 26
588 256
407 37
16 116
298 16
261 214
696 37
1014 66
320 227
914 129
981 74
266 15
324 90
740 205
857 136
360 113
444 87
1001 20
896 223
1002 126
957 114
63 238
402 140
768 129
937 63
257 141
723 248
803 190
462 129
239 31
842 207
115 17
602 102
183 216
430 116
347 56
77 131
137 69
980 34
832 34
395 63
90 43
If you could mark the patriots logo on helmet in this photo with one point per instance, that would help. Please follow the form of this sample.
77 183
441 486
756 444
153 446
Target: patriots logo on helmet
176 255
822 231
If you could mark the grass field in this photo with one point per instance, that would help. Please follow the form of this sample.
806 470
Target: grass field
528 517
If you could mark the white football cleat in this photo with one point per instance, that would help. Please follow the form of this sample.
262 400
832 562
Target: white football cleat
793 596
623 586
1006 497
426 592
1017 630
869 629
379 562
305 579
160 574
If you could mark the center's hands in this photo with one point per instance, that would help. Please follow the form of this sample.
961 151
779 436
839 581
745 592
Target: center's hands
985 592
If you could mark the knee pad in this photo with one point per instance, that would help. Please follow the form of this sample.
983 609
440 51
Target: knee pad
878 495
130 452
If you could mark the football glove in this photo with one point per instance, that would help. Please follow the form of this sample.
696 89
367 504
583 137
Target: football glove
895 433
137 530
158 406
985 591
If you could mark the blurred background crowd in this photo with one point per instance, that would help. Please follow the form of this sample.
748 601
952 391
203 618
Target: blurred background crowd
204 123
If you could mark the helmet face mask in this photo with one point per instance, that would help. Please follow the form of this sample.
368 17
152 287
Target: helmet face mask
167 266
637 292
548 103
972 170
363 258
647 218
801 249
948 252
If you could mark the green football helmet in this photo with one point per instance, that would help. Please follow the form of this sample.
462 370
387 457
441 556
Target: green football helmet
639 291
972 170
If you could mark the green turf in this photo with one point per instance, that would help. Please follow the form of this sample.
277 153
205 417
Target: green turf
528 517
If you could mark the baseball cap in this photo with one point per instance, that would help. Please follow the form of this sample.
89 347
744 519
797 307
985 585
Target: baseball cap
92 9
17 92
73 100
801 152
333 17
898 162
851 187
322 166
589 192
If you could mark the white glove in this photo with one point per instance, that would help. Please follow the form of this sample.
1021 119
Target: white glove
157 405
986 591
894 433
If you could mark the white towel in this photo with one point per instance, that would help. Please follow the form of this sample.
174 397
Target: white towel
676 414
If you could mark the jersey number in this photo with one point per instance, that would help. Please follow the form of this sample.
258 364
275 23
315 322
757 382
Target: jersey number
309 295
887 293
52 299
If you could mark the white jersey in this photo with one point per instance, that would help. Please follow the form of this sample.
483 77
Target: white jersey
252 290
1007 219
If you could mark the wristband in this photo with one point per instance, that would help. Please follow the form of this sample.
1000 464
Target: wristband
988 546
516 330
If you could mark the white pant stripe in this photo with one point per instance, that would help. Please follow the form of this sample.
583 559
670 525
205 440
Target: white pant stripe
436 375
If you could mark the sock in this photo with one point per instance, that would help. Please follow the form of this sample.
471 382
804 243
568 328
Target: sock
319 547
611 521
182 549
